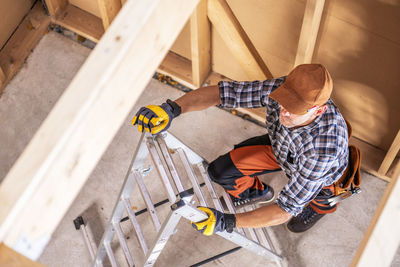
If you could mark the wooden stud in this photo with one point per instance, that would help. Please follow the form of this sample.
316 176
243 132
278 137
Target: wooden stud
39 188
390 155
230 30
382 237
200 38
309 31
81 22
21 43
11 258
109 10
2 77
56 7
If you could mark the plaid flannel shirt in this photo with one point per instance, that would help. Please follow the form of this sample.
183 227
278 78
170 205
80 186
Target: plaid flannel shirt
312 156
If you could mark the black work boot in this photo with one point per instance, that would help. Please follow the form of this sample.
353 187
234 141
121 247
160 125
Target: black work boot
267 196
304 221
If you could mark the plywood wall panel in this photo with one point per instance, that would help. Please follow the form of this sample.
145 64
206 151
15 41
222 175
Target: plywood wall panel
11 14
90 6
365 67
181 45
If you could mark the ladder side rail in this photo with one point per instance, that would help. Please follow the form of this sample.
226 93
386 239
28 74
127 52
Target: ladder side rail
137 162
110 254
210 187
192 177
161 170
171 166
270 245
123 243
136 226
147 199
167 229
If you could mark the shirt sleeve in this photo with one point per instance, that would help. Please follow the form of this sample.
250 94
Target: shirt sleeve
253 94
305 184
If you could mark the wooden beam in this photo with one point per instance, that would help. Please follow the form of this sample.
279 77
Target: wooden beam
390 155
21 43
49 174
382 237
200 39
11 258
2 77
81 22
56 7
178 68
309 31
240 45
109 10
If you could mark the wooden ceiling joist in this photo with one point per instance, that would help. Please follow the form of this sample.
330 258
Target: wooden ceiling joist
230 30
46 178
200 39
309 31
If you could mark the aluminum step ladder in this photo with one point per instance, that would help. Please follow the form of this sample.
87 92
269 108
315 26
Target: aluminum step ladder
182 202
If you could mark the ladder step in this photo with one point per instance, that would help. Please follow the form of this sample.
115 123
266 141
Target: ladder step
110 254
171 166
147 200
210 187
160 168
123 243
192 177
136 226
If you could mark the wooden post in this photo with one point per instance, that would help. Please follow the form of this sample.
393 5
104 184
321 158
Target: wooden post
390 155
55 7
309 31
200 44
382 237
109 10
227 25
49 174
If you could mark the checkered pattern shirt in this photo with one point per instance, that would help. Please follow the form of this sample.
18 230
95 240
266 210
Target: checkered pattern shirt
312 156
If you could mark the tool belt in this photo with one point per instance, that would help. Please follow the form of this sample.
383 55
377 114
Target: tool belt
349 183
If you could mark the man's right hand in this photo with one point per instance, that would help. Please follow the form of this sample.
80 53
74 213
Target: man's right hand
155 119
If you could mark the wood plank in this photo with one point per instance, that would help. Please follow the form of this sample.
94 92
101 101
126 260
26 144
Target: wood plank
178 68
25 38
57 162
56 7
11 258
200 38
81 22
390 155
109 10
229 28
12 13
2 77
382 237
309 31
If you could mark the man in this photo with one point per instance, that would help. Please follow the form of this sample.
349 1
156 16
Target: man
306 138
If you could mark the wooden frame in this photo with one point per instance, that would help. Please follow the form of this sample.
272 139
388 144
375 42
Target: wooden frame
18 188
83 122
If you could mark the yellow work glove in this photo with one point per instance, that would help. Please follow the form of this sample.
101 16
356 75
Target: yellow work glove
216 222
155 119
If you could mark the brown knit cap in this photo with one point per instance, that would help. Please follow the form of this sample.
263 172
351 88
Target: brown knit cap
306 85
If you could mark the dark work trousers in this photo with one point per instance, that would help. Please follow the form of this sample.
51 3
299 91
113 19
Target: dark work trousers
237 172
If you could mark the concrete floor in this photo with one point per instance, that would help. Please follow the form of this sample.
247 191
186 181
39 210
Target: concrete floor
33 92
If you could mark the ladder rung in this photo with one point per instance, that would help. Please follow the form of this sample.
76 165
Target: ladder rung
147 200
160 168
192 177
210 187
123 243
170 163
251 230
138 230
110 254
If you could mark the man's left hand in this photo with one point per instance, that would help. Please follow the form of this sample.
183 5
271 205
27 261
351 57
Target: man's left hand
216 222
